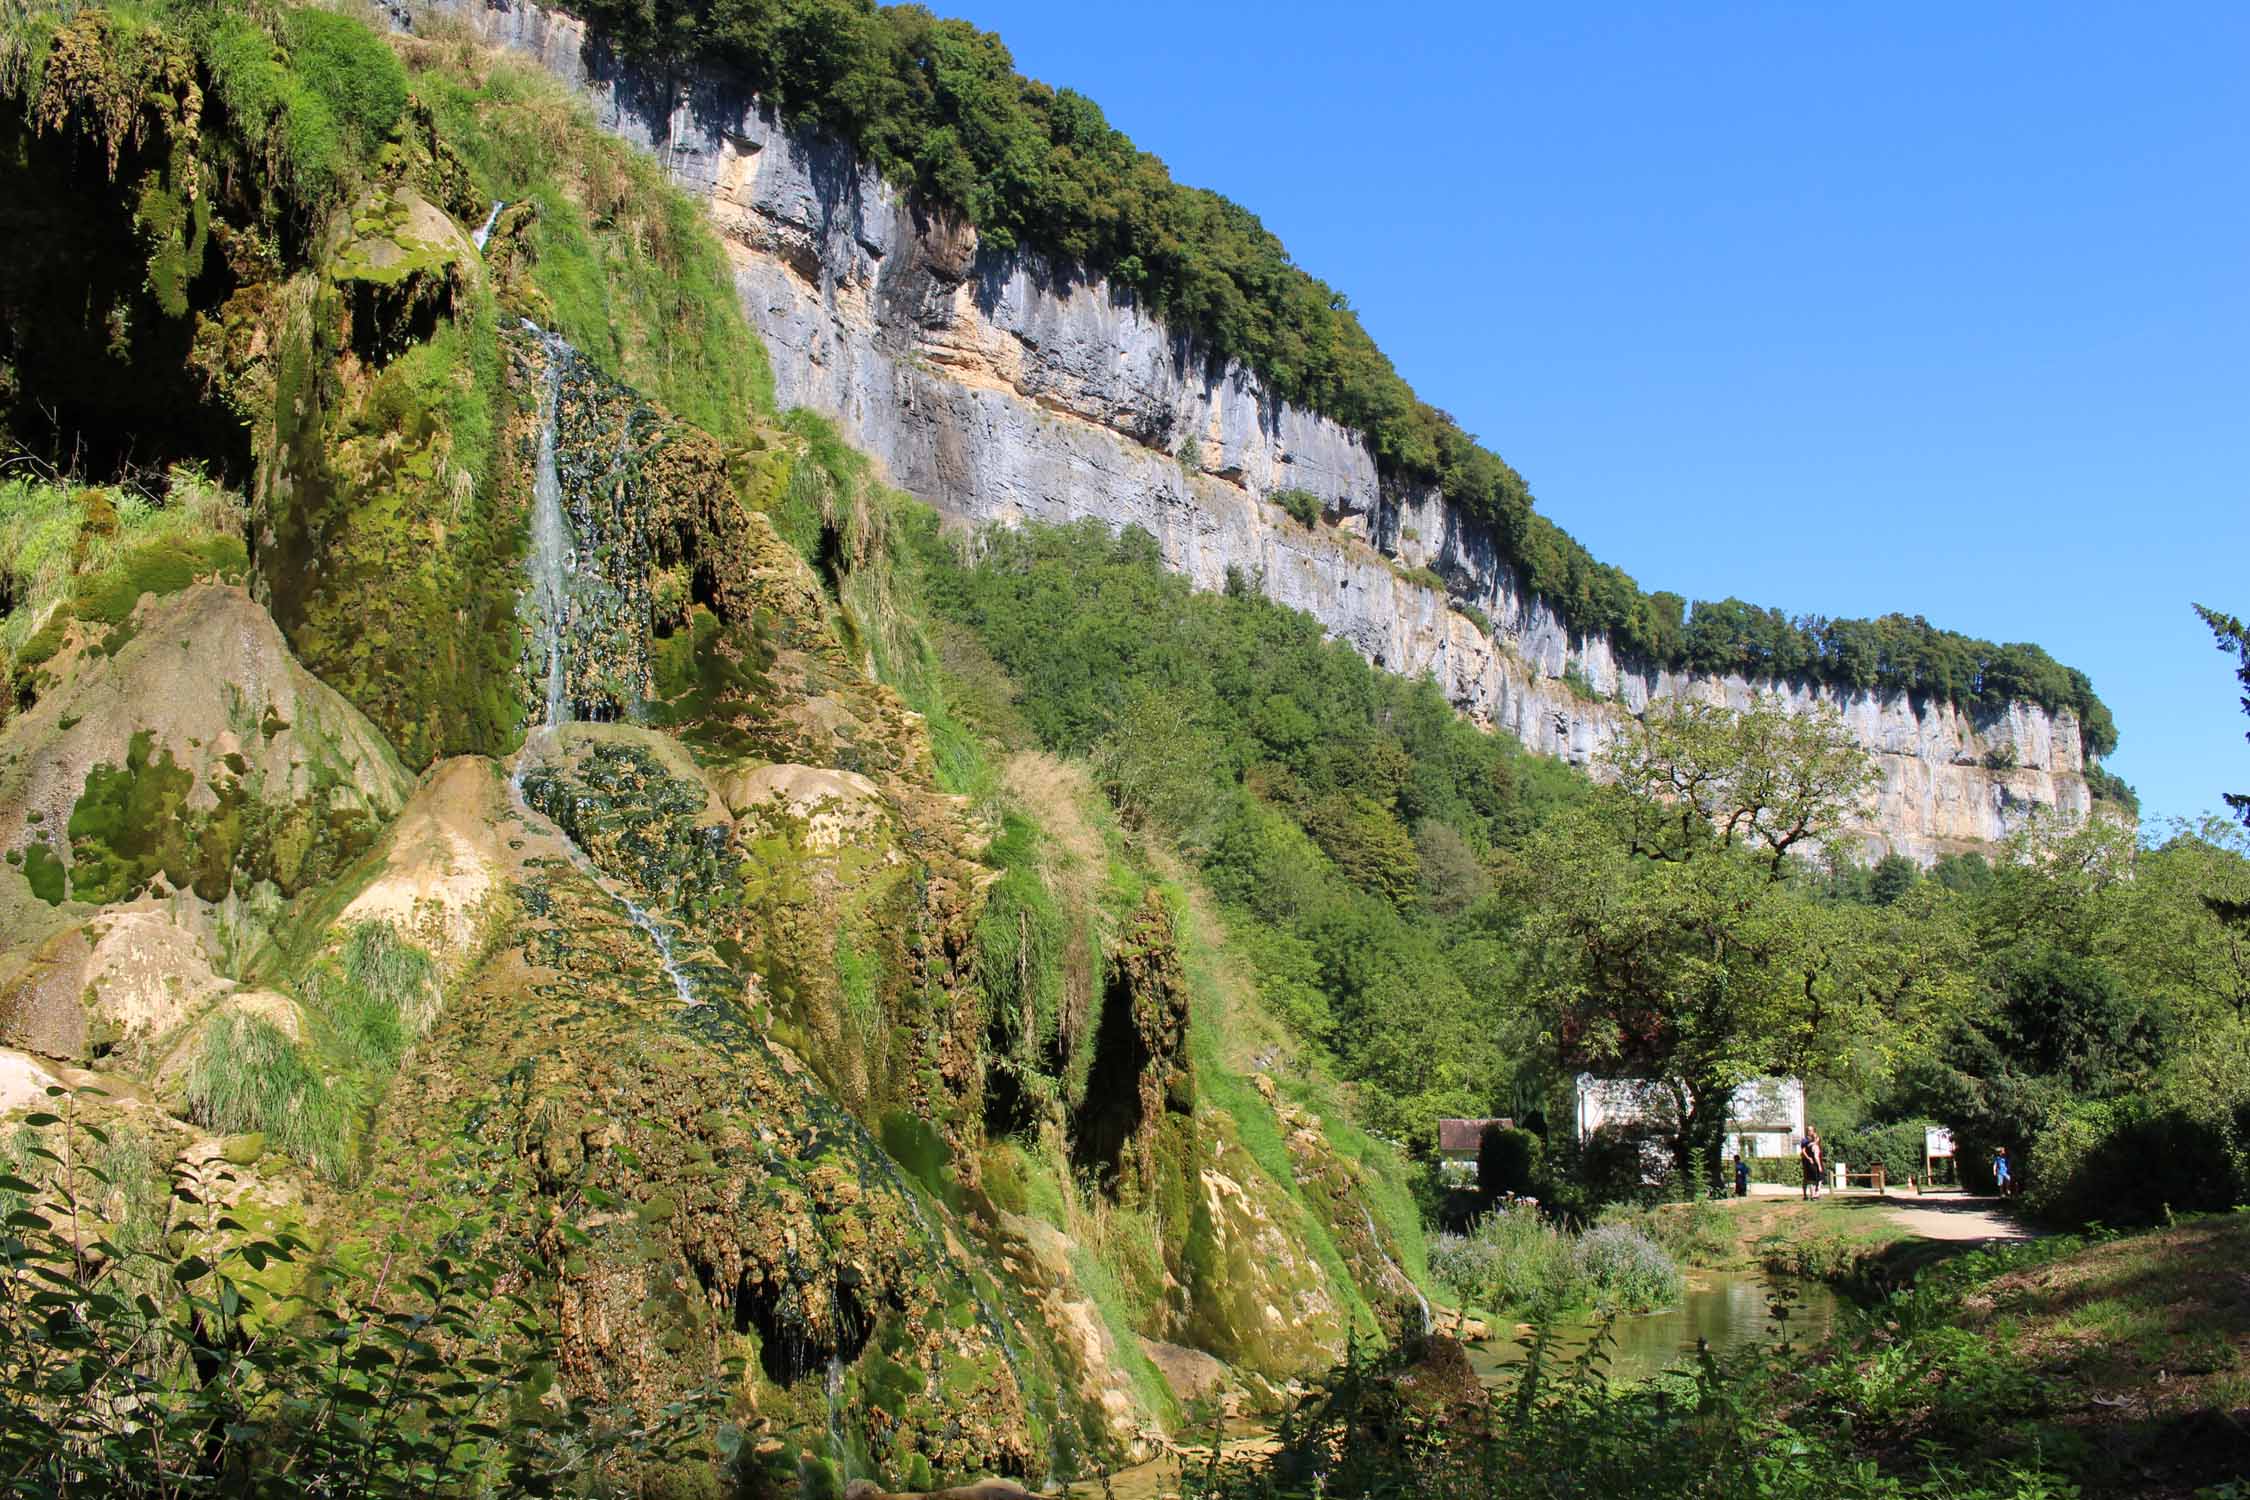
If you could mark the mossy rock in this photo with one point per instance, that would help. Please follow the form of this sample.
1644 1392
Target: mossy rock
153 768
761 1216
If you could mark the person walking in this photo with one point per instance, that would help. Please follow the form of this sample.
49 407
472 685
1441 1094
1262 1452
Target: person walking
2001 1181
1741 1175
1808 1157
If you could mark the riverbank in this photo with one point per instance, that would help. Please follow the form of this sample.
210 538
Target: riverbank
2065 1366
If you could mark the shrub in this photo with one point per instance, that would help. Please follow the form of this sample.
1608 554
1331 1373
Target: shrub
1619 1163
1625 1269
174 1369
1699 1232
1510 1259
1898 1147
1303 505
2137 1159
1507 1161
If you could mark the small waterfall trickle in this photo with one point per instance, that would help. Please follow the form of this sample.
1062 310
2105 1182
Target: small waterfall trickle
1429 1324
484 231
986 1313
551 564
838 1445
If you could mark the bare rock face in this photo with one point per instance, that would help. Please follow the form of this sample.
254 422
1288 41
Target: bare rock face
1002 387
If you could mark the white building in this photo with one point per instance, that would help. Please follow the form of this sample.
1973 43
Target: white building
1765 1118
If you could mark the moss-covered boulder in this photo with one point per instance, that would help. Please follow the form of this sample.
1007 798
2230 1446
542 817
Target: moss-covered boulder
196 756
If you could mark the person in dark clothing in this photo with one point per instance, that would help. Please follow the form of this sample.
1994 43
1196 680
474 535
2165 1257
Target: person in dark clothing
1741 1175
1808 1156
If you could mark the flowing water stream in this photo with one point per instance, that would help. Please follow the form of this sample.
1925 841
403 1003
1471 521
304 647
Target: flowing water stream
1377 1241
484 232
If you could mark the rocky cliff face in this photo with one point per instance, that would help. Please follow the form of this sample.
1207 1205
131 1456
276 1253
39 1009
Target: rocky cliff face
1002 387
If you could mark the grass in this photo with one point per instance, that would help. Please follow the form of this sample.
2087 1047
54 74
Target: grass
631 273
373 999
1851 1242
94 551
249 1076
367 1002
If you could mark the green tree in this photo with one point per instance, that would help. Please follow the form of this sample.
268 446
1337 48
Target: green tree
2182 929
1693 973
1893 876
1671 947
1154 761
1765 778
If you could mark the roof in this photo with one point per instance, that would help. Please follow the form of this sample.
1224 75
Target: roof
1466 1137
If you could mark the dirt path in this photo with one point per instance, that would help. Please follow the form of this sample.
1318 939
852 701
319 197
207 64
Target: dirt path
1957 1216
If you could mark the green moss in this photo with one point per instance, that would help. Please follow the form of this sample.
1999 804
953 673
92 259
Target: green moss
46 873
127 827
161 567
395 562
914 1145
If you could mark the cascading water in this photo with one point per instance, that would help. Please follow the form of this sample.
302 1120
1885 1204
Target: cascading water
1057 1464
1428 1323
551 565
582 625
836 1440
484 232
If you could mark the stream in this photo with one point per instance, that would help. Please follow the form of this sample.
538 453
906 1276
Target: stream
1729 1309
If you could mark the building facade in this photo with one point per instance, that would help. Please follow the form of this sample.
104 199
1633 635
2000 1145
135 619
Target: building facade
1766 1117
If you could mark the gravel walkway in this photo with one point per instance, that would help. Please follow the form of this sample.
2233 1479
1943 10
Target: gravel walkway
1957 1216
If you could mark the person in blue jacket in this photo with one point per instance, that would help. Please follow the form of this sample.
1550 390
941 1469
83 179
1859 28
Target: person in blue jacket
2000 1178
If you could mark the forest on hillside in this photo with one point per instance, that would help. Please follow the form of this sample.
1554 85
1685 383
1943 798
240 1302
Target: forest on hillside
1462 925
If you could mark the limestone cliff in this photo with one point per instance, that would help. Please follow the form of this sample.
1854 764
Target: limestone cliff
1003 387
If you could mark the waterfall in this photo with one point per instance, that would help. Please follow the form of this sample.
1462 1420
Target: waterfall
1428 1323
836 1440
551 566
549 562
484 232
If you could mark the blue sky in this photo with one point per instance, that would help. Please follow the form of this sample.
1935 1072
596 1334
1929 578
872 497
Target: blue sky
1840 309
